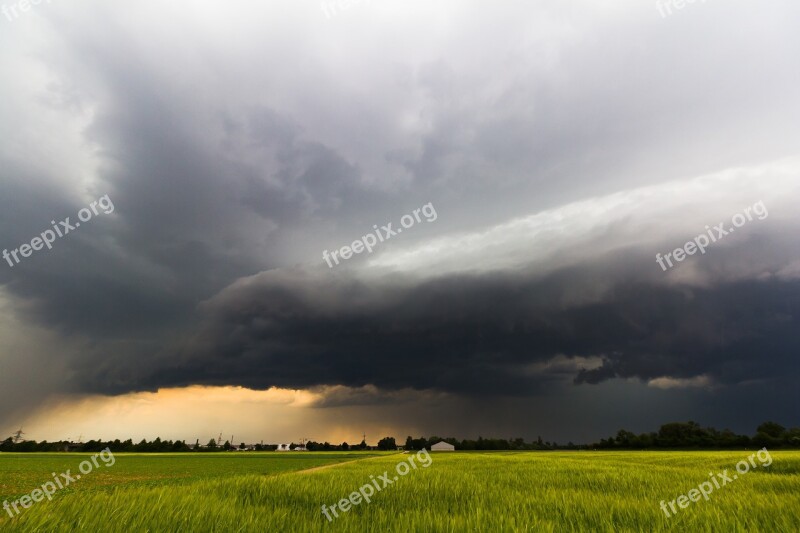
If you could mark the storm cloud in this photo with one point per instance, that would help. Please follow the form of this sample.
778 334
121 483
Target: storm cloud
564 145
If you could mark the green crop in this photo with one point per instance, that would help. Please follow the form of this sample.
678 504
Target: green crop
459 492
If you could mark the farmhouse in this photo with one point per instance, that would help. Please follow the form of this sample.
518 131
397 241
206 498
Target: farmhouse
442 446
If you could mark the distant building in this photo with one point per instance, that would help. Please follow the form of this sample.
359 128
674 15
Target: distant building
442 446
282 448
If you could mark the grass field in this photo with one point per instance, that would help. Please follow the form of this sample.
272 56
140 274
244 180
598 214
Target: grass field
491 491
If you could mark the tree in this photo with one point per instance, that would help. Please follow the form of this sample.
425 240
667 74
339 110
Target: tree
771 429
688 434
793 437
345 446
625 438
387 443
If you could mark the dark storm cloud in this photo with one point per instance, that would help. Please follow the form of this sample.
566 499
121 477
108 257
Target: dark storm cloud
230 147
311 181
211 187
484 334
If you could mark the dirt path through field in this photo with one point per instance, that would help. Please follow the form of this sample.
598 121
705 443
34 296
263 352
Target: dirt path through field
316 468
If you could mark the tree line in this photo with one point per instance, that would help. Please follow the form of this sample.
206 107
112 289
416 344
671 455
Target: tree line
691 435
163 446
688 435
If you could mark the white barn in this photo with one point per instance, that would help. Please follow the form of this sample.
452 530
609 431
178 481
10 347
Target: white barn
442 446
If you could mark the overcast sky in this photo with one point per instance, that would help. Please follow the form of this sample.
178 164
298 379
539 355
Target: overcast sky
559 146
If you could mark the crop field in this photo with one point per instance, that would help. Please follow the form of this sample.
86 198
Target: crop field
453 492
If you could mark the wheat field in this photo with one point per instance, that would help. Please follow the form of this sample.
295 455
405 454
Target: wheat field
457 492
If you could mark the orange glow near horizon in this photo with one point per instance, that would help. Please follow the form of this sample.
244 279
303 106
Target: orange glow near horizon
201 413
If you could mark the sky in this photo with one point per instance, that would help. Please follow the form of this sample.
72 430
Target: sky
516 173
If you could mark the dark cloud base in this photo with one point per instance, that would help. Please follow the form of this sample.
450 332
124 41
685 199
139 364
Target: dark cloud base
481 334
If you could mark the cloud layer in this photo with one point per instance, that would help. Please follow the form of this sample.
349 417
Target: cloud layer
564 145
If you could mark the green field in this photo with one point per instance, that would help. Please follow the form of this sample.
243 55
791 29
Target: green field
490 491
